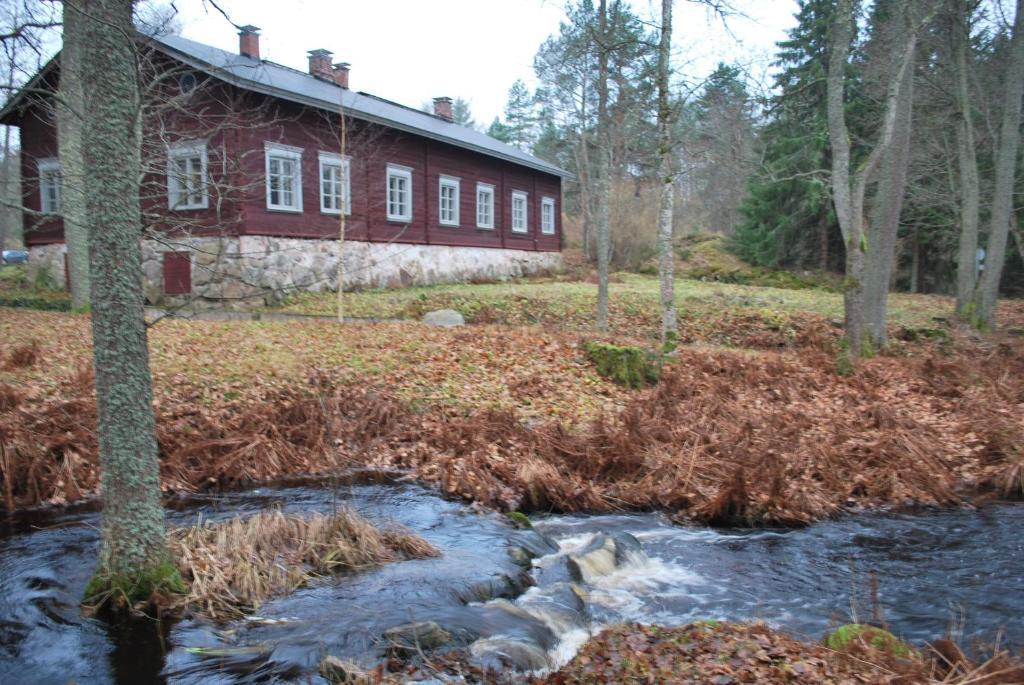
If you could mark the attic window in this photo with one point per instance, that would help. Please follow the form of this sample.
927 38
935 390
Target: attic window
187 83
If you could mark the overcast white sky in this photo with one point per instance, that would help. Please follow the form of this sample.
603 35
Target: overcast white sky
410 51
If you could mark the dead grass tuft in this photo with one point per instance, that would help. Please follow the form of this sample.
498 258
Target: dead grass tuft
24 356
234 566
10 397
727 437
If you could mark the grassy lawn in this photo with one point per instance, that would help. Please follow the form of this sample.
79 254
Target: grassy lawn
634 303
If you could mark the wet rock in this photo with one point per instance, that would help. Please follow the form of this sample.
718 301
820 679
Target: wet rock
416 637
528 545
503 586
626 546
595 560
340 672
560 606
501 618
602 555
499 653
445 318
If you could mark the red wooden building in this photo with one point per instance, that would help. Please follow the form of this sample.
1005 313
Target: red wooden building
251 168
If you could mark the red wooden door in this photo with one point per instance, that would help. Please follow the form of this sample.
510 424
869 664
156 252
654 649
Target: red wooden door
177 273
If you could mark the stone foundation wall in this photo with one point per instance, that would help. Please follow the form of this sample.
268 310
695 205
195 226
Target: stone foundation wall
253 270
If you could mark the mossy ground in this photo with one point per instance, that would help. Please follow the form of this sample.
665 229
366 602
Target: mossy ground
852 634
124 591
632 367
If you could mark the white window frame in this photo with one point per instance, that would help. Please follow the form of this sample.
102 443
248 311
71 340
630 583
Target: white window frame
488 190
48 171
403 172
344 164
454 183
294 155
187 150
547 216
525 197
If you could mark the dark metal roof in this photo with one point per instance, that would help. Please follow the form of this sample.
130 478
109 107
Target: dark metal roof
289 84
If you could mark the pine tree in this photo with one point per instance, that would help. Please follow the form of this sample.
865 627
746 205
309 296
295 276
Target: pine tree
788 218
500 131
520 116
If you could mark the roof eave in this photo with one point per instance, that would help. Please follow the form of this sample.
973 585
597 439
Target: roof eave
242 82
9 116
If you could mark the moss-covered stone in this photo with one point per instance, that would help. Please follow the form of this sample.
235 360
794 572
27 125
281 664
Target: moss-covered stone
519 520
104 589
858 633
631 367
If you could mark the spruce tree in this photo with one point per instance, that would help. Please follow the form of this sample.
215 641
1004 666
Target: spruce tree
787 216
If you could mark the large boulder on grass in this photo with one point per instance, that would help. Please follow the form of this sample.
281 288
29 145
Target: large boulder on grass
445 318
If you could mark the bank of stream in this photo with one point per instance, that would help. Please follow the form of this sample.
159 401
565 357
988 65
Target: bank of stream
932 569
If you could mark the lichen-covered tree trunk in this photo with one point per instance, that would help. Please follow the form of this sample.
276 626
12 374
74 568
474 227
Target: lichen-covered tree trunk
848 211
1006 166
888 205
602 171
969 190
70 115
848 186
666 258
134 559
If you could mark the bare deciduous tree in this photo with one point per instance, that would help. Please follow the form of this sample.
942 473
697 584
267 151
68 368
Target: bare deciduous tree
666 167
987 290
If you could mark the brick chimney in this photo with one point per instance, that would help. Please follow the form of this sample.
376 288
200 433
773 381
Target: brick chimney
341 74
443 108
320 64
249 41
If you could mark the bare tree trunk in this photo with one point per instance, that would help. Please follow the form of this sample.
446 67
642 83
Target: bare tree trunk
70 119
134 560
602 171
1006 166
1017 238
848 188
583 166
345 171
666 257
5 191
848 211
888 205
966 258
915 264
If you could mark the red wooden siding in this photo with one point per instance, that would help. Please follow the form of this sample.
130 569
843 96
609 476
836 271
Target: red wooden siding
236 125
177 273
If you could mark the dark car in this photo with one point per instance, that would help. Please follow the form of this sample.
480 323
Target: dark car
14 257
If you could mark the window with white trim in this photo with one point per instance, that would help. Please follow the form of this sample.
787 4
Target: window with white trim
186 176
284 177
547 216
484 205
335 183
49 185
448 203
399 199
519 212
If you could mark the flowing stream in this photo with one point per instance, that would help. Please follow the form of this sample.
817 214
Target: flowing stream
932 569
